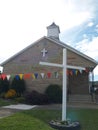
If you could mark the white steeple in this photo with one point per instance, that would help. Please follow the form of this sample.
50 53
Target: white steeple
53 31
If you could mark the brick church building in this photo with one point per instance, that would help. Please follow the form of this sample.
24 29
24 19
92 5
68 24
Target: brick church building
25 64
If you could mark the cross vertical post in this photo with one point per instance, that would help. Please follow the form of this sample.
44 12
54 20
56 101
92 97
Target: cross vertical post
64 96
64 66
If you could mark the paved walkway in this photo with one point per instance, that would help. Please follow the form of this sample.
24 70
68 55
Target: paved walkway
70 105
83 105
20 106
4 112
11 109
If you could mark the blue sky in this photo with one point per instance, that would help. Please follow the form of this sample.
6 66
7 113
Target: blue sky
24 21
84 37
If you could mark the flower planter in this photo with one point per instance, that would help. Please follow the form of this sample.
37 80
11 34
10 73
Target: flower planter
68 126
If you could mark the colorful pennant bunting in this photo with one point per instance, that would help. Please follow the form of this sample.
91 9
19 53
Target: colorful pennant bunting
49 74
70 72
17 77
33 76
8 77
42 75
36 75
76 72
21 76
3 76
56 74
0 76
67 72
86 70
80 71
12 76
27 76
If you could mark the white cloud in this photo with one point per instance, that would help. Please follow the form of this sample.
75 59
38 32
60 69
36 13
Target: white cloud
90 24
24 21
96 72
90 48
83 5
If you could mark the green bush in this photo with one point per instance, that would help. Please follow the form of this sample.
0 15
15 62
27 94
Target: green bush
1 85
4 86
20 99
18 85
36 98
54 93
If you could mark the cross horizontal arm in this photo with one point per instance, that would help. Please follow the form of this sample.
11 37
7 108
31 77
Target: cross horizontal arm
61 65
51 64
75 67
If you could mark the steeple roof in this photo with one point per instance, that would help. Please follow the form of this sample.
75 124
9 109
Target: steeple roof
53 25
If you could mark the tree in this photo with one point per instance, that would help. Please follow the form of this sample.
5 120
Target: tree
18 85
54 93
4 85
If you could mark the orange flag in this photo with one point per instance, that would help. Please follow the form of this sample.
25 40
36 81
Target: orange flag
27 76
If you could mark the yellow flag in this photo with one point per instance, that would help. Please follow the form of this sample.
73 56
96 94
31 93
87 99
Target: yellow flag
33 76
21 76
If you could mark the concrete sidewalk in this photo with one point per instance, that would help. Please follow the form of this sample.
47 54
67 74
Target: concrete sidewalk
6 112
20 106
87 105
70 105
11 109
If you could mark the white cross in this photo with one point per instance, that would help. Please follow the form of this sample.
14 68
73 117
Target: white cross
44 51
64 66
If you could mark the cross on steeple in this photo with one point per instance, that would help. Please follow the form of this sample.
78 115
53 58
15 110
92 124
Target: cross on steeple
44 52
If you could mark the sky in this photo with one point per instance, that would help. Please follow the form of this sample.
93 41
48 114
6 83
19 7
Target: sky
24 21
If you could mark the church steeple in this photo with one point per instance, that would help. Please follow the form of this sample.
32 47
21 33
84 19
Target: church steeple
53 31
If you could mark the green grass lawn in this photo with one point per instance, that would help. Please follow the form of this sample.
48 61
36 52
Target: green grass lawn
38 119
6 102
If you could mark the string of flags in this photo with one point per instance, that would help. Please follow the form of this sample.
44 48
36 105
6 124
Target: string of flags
42 75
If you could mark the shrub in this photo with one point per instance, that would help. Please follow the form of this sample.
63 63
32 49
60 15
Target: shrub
1 85
18 85
4 85
20 99
36 98
11 93
54 93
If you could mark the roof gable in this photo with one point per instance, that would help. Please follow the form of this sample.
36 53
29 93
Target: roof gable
63 45
74 50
